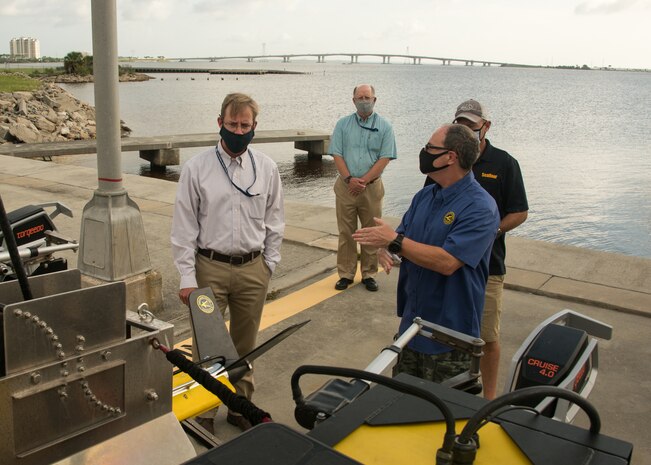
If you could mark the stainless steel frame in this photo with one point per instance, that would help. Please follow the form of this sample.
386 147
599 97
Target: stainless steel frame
79 370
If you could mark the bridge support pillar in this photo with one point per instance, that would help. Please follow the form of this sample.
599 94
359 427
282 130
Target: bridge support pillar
161 158
315 148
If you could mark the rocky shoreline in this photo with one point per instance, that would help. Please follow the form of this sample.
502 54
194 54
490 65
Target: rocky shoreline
51 114
76 79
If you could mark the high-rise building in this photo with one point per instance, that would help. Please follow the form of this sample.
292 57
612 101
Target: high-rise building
25 47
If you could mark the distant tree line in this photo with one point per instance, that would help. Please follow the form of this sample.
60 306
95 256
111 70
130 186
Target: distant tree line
82 65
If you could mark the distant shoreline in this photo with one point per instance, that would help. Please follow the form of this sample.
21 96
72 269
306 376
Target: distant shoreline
128 61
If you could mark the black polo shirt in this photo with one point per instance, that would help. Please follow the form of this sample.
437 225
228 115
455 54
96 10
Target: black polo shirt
499 173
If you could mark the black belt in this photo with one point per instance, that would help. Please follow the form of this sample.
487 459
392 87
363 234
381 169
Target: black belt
232 259
372 181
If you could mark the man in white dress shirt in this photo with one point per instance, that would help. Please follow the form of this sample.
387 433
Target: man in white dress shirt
228 227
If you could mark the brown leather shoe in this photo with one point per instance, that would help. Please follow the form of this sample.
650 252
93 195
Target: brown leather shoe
237 420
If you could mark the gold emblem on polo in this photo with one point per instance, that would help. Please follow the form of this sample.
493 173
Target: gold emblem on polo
205 304
448 218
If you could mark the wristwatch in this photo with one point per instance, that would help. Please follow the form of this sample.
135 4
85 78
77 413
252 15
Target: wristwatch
347 180
395 246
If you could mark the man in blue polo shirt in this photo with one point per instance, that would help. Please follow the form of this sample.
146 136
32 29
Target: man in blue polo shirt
445 240
362 145
499 173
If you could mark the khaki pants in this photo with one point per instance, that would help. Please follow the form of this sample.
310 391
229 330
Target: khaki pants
490 320
243 288
364 206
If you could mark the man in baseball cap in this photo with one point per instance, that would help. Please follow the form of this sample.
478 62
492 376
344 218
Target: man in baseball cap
471 110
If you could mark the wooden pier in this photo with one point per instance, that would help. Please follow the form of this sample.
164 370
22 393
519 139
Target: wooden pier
164 150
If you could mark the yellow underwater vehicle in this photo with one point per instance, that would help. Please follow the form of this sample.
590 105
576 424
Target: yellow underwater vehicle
371 419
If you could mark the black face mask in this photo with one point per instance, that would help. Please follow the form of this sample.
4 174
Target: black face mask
236 143
427 161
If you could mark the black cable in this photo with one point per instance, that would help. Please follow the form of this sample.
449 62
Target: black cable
503 410
12 247
526 394
234 402
450 432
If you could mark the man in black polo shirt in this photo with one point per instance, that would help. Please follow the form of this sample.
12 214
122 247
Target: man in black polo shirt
499 173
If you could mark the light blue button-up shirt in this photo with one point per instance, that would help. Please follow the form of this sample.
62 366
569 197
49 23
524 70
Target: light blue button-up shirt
362 143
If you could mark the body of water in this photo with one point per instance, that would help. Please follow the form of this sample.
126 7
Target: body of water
583 138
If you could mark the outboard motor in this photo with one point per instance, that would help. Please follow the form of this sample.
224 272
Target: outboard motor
37 239
559 352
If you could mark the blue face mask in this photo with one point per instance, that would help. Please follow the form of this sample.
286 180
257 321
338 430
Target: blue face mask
236 143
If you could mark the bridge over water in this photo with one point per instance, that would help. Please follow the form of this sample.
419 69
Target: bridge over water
354 58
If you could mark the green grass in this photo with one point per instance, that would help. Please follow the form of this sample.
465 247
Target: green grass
18 83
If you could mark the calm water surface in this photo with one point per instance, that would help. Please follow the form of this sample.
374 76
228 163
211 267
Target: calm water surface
582 137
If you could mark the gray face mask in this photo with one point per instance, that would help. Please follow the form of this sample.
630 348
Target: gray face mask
364 107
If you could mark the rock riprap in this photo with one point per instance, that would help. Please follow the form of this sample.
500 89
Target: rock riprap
49 114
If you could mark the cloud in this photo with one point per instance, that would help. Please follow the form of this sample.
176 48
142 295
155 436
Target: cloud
606 8
55 11
137 10
222 8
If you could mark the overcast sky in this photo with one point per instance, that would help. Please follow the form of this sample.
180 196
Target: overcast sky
545 32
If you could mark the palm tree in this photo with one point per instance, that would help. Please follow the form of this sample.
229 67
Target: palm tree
74 63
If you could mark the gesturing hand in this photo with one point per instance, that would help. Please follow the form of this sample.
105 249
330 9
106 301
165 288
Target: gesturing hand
376 236
385 259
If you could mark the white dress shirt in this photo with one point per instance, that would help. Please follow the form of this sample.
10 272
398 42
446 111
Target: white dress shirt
211 213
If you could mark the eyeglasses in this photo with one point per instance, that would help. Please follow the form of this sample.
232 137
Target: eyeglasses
233 126
429 147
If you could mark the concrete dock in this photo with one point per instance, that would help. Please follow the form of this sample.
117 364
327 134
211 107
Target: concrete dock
349 328
164 150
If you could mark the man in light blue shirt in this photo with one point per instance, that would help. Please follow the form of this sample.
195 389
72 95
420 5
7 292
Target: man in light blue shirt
362 145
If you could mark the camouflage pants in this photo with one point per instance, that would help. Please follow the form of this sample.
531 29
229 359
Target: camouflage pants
437 368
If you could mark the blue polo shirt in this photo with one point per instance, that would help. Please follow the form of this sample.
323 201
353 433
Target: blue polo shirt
362 143
463 220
